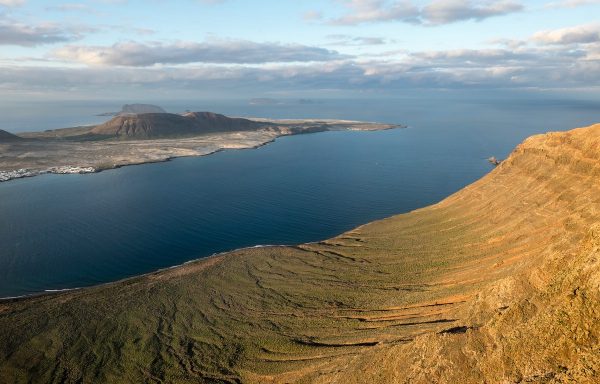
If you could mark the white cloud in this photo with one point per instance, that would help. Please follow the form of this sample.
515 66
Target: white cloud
562 58
15 33
11 3
449 11
435 13
362 11
136 54
581 34
349 40
543 66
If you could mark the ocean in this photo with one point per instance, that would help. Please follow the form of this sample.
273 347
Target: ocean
68 231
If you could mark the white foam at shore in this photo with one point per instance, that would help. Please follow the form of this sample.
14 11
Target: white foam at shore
61 290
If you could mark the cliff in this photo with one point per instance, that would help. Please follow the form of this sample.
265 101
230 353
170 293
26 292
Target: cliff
498 283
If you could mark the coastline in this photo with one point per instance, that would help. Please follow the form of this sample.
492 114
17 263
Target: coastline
95 157
207 259
41 290
424 286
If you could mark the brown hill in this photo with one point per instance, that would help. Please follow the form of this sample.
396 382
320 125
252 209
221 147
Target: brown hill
214 122
157 125
499 283
7 137
146 125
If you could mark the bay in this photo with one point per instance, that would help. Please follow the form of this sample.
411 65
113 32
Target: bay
67 231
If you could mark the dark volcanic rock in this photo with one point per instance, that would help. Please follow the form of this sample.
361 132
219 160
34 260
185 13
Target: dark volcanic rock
6 137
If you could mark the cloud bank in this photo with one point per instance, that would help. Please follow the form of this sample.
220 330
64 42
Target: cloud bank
20 34
133 54
549 59
435 13
581 34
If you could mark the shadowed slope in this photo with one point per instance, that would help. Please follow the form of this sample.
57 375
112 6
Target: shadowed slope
156 125
498 283
215 122
7 137
146 125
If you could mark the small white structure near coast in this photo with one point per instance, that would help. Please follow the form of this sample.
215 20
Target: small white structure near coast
20 173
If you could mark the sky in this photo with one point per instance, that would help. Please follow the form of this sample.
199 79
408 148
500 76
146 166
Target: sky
102 49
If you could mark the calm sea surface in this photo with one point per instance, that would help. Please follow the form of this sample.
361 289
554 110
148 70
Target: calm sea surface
65 231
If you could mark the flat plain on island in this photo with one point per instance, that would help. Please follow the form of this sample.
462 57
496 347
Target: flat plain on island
74 150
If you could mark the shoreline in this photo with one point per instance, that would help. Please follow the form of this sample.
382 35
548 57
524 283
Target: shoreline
221 140
450 277
207 259
77 170
56 291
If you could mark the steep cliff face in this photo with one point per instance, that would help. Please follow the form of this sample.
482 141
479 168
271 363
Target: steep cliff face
533 253
498 283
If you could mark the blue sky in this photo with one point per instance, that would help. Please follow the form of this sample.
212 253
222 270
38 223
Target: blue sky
261 48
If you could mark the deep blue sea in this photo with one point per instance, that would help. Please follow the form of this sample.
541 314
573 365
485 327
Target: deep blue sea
66 231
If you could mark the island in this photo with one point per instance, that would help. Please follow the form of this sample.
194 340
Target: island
135 109
137 138
498 283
